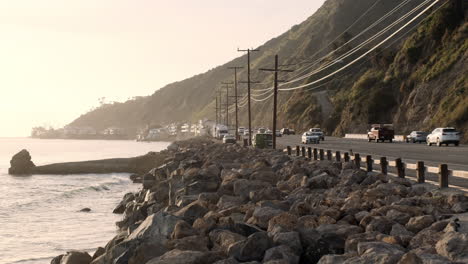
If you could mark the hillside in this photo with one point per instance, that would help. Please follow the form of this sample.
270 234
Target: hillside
419 82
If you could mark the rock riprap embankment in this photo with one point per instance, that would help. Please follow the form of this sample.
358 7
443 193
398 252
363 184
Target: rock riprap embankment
226 204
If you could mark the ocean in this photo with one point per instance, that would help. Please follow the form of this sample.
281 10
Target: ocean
39 214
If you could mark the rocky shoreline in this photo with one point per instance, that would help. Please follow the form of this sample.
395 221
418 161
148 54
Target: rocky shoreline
227 204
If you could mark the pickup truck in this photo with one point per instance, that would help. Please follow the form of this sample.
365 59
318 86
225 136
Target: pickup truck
381 133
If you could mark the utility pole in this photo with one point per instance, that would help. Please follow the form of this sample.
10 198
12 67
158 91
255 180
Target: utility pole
227 84
216 107
235 95
275 96
248 89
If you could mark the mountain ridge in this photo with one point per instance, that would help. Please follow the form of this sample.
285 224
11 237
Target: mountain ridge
193 98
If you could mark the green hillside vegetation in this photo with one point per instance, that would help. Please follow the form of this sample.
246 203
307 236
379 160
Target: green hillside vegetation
418 83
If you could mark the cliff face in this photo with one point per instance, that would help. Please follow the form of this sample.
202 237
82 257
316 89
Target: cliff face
417 83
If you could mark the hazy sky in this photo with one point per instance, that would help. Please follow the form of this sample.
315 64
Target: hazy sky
57 57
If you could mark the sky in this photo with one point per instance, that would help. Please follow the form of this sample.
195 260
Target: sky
58 57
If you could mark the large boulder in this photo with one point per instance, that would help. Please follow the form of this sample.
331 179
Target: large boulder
379 252
157 227
281 254
21 164
222 239
187 257
454 246
76 257
192 211
250 249
418 223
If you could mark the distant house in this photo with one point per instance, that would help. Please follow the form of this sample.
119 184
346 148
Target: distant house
79 131
114 131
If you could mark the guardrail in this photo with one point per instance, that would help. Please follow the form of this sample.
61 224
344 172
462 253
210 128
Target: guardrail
364 136
420 169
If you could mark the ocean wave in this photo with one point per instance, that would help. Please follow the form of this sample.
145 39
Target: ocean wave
104 186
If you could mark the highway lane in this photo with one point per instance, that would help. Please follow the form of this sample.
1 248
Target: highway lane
455 157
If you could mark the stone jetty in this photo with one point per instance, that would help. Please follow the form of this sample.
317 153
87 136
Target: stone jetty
227 204
22 164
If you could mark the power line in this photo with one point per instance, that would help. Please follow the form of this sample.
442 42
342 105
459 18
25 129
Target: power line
366 53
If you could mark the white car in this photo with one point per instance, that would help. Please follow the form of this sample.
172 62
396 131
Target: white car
310 137
319 131
443 135
241 130
229 139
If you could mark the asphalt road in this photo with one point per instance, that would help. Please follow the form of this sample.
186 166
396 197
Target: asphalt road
455 157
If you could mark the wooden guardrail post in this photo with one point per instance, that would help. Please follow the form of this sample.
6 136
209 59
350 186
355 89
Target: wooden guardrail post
420 171
289 150
338 156
383 165
309 153
329 155
357 160
369 163
443 176
298 151
346 157
303 151
315 154
321 154
400 168
246 142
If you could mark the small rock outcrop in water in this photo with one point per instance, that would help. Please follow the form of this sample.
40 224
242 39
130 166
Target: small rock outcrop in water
221 204
21 164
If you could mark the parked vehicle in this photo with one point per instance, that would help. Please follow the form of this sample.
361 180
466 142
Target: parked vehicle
229 139
278 133
310 137
268 131
262 140
241 130
284 131
261 130
246 132
292 132
381 132
445 135
319 131
417 136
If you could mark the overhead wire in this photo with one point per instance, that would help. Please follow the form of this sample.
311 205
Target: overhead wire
361 45
366 53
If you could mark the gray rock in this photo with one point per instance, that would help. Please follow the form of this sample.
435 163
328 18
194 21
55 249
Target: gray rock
291 239
21 164
418 223
251 249
333 259
187 257
192 211
352 176
283 253
227 201
156 227
454 246
76 257
197 243
379 252
222 239
262 215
